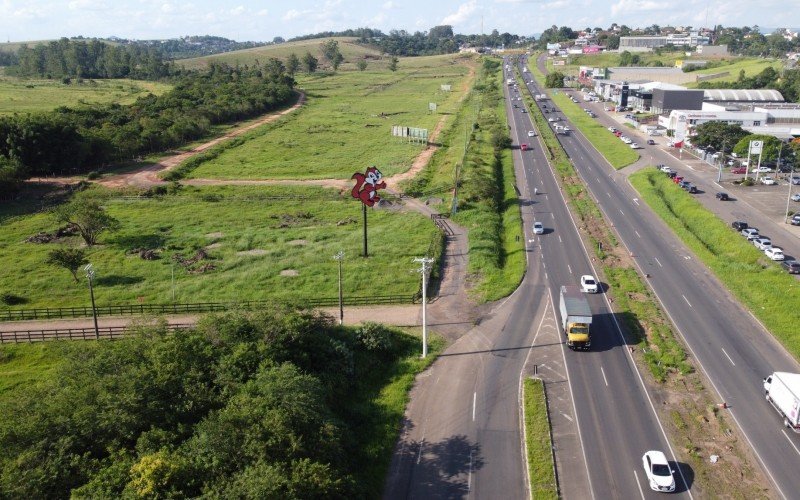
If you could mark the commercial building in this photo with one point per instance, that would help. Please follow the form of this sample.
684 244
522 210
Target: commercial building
646 43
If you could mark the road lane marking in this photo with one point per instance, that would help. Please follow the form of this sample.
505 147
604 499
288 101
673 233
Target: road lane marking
726 355
474 398
657 262
604 376
636 200
569 269
637 233
790 441
638 484
559 239
687 300
469 478
566 416
419 454
598 179
608 194
620 211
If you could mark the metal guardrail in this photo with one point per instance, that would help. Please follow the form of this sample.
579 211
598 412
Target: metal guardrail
191 308
105 333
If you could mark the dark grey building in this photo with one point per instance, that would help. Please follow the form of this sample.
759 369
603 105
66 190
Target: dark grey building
665 100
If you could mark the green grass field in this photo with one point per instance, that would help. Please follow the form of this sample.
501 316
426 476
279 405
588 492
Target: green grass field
347 46
761 285
251 240
541 469
750 66
346 123
25 96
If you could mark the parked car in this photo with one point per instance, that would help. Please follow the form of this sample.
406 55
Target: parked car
796 197
626 140
651 142
750 233
762 243
684 184
762 170
618 133
774 253
768 181
635 146
739 225
612 129
795 180
658 471
722 196
552 119
791 266
795 220
739 170
589 284
677 179
538 228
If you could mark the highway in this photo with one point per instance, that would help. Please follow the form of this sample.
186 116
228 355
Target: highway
729 345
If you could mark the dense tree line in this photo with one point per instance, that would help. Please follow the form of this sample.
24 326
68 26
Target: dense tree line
196 46
92 59
8 58
748 41
82 139
787 82
247 406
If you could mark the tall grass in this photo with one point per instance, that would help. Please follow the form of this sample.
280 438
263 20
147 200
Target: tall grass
769 293
541 468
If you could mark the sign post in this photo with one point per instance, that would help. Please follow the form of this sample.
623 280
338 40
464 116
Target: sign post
366 190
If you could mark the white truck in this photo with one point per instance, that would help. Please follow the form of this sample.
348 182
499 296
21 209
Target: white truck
576 317
782 389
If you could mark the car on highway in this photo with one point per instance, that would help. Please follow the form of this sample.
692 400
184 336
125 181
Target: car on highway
524 110
531 133
651 142
691 188
768 181
552 119
739 225
762 170
658 472
750 233
523 147
722 196
774 253
796 197
791 266
589 284
633 145
739 170
538 228
762 243
626 140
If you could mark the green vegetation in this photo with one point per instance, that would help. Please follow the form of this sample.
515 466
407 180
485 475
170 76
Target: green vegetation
757 282
233 244
274 404
734 67
541 469
31 96
346 123
616 152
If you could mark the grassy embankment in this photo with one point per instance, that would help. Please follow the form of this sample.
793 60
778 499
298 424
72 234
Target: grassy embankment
30 96
251 234
541 469
695 423
344 126
760 284
487 202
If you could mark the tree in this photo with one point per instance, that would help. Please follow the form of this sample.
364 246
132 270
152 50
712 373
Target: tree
292 64
361 64
88 216
310 63
278 39
70 259
554 80
718 135
330 49
393 63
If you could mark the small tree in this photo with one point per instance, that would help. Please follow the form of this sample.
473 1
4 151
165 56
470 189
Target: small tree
310 63
393 64
89 217
330 49
361 64
292 64
70 259
554 80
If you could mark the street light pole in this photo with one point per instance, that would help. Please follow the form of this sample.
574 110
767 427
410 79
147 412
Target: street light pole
90 276
425 263
339 257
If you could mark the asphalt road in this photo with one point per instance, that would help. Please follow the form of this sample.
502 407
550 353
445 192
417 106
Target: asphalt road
614 413
729 345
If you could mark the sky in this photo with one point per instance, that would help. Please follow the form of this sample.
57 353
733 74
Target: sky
251 20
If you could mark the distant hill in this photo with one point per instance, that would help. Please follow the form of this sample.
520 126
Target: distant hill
349 49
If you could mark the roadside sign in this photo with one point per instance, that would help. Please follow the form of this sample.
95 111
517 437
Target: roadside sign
755 147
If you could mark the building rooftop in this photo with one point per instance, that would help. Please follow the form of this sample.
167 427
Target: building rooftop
742 95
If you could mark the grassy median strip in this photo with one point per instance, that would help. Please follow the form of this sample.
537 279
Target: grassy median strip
541 469
767 291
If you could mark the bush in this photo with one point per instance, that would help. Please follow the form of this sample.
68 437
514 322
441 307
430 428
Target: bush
10 299
94 174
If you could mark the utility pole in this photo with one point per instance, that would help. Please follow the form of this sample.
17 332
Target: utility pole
338 258
425 263
90 276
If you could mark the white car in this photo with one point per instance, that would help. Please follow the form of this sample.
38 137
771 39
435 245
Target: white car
552 119
774 253
538 228
589 284
796 197
658 471
768 181
635 146
531 133
762 170
762 243
625 140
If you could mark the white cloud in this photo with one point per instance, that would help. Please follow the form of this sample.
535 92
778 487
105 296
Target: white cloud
237 11
167 8
262 12
292 14
377 19
634 6
461 15
389 5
